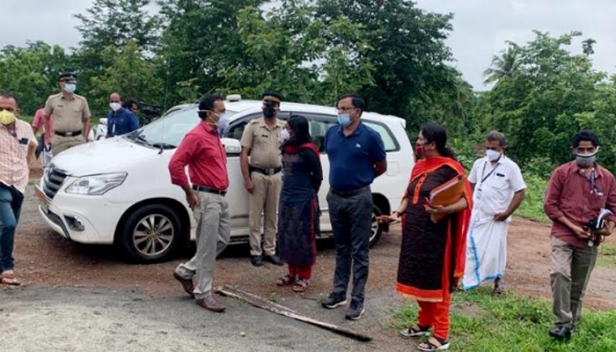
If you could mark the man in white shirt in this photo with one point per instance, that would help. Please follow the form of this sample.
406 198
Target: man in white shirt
498 190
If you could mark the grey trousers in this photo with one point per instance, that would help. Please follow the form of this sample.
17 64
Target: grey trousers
213 234
351 219
571 268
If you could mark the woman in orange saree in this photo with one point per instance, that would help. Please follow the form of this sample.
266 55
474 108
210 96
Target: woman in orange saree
432 255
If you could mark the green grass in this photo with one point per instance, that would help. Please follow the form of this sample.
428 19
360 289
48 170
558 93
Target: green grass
532 206
483 322
607 255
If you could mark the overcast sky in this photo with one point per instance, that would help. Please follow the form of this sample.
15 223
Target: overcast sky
480 26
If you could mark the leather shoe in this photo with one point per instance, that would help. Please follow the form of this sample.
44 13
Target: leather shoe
274 259
187 284
256 260
210 303
560 332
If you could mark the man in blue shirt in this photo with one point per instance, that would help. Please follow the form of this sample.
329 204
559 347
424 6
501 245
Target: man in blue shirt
120 120
357 156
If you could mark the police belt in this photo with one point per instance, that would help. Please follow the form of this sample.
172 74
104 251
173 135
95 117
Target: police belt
68 134
350 193
209 190
268 172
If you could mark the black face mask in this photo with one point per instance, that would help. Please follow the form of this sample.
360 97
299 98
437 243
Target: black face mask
268 111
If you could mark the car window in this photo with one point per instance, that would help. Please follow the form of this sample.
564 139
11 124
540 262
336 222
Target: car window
169 130
388 139
237 127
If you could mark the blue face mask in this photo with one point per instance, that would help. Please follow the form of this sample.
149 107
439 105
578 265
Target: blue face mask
344 119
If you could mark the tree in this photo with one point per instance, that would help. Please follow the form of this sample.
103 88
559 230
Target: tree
504 65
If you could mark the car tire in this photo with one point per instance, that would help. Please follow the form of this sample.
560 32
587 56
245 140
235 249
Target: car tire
151 234
376 228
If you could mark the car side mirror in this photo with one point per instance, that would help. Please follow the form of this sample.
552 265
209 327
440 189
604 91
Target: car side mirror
103 121
232 146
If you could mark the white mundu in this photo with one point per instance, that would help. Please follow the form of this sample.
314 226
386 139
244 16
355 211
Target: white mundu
486 249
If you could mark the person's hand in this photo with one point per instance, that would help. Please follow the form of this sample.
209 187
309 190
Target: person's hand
395 216
500 216
580 232
193 200
437 209
250 186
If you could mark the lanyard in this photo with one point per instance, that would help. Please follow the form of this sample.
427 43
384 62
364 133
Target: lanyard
484 171
593 185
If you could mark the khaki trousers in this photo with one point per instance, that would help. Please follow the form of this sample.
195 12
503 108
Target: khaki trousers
571 268
264 200
60 143
213 235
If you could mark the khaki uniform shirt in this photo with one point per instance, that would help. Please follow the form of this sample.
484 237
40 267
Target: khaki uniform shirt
264 143
68 114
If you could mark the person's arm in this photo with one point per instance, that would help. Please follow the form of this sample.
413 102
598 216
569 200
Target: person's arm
551 204
314 164
109 124
85 118
379 156
177 165
32 144
134 122
47 117
610 204
517 184
472 176
247 137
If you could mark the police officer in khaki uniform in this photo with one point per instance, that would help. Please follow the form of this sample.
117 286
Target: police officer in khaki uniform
71 115
262 177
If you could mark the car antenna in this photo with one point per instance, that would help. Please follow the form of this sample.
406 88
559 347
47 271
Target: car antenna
164 108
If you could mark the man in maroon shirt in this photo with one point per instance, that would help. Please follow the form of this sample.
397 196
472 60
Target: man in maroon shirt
205 156
577 193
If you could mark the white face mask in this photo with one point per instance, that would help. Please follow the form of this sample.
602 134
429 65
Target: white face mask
115 106
493 155
285 135
70 87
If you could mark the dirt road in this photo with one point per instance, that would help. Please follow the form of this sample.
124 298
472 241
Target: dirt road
82 279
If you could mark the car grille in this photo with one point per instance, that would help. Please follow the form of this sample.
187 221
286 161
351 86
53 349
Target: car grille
53 180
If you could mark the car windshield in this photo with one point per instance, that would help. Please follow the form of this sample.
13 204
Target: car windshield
168 131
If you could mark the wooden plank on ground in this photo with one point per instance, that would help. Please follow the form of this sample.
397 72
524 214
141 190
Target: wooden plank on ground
263 303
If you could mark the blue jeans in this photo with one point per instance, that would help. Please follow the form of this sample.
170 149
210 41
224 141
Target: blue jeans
10 207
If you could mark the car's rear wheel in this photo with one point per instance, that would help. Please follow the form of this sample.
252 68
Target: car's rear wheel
151 234
375 227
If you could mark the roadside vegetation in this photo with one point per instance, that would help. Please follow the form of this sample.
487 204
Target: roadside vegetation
511 323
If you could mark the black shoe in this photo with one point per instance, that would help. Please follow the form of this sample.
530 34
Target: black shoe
256 260
334 301
560 332
274 259
355 311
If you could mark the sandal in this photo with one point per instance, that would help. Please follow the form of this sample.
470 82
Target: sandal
431 346
499 290
416 330
9 279
301 286
286 280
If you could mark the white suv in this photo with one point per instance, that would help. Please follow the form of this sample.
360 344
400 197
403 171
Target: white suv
118 190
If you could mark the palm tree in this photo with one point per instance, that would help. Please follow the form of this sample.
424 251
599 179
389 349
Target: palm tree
504 65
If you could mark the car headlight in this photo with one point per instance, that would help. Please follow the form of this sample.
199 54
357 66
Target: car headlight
96 185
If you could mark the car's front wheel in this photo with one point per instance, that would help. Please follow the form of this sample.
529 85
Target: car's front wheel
376 228
151 234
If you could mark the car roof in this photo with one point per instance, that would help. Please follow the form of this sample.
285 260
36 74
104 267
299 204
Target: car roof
255 105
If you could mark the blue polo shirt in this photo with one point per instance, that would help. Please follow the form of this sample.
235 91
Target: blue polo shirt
352 158
121 122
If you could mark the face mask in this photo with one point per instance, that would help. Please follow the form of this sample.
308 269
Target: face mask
419 149
70 87
269 111
115 106
223 121
6 117
493 155
586 160
344 120
285 135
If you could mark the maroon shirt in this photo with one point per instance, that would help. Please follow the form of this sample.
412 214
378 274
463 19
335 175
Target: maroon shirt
205 156
570 195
